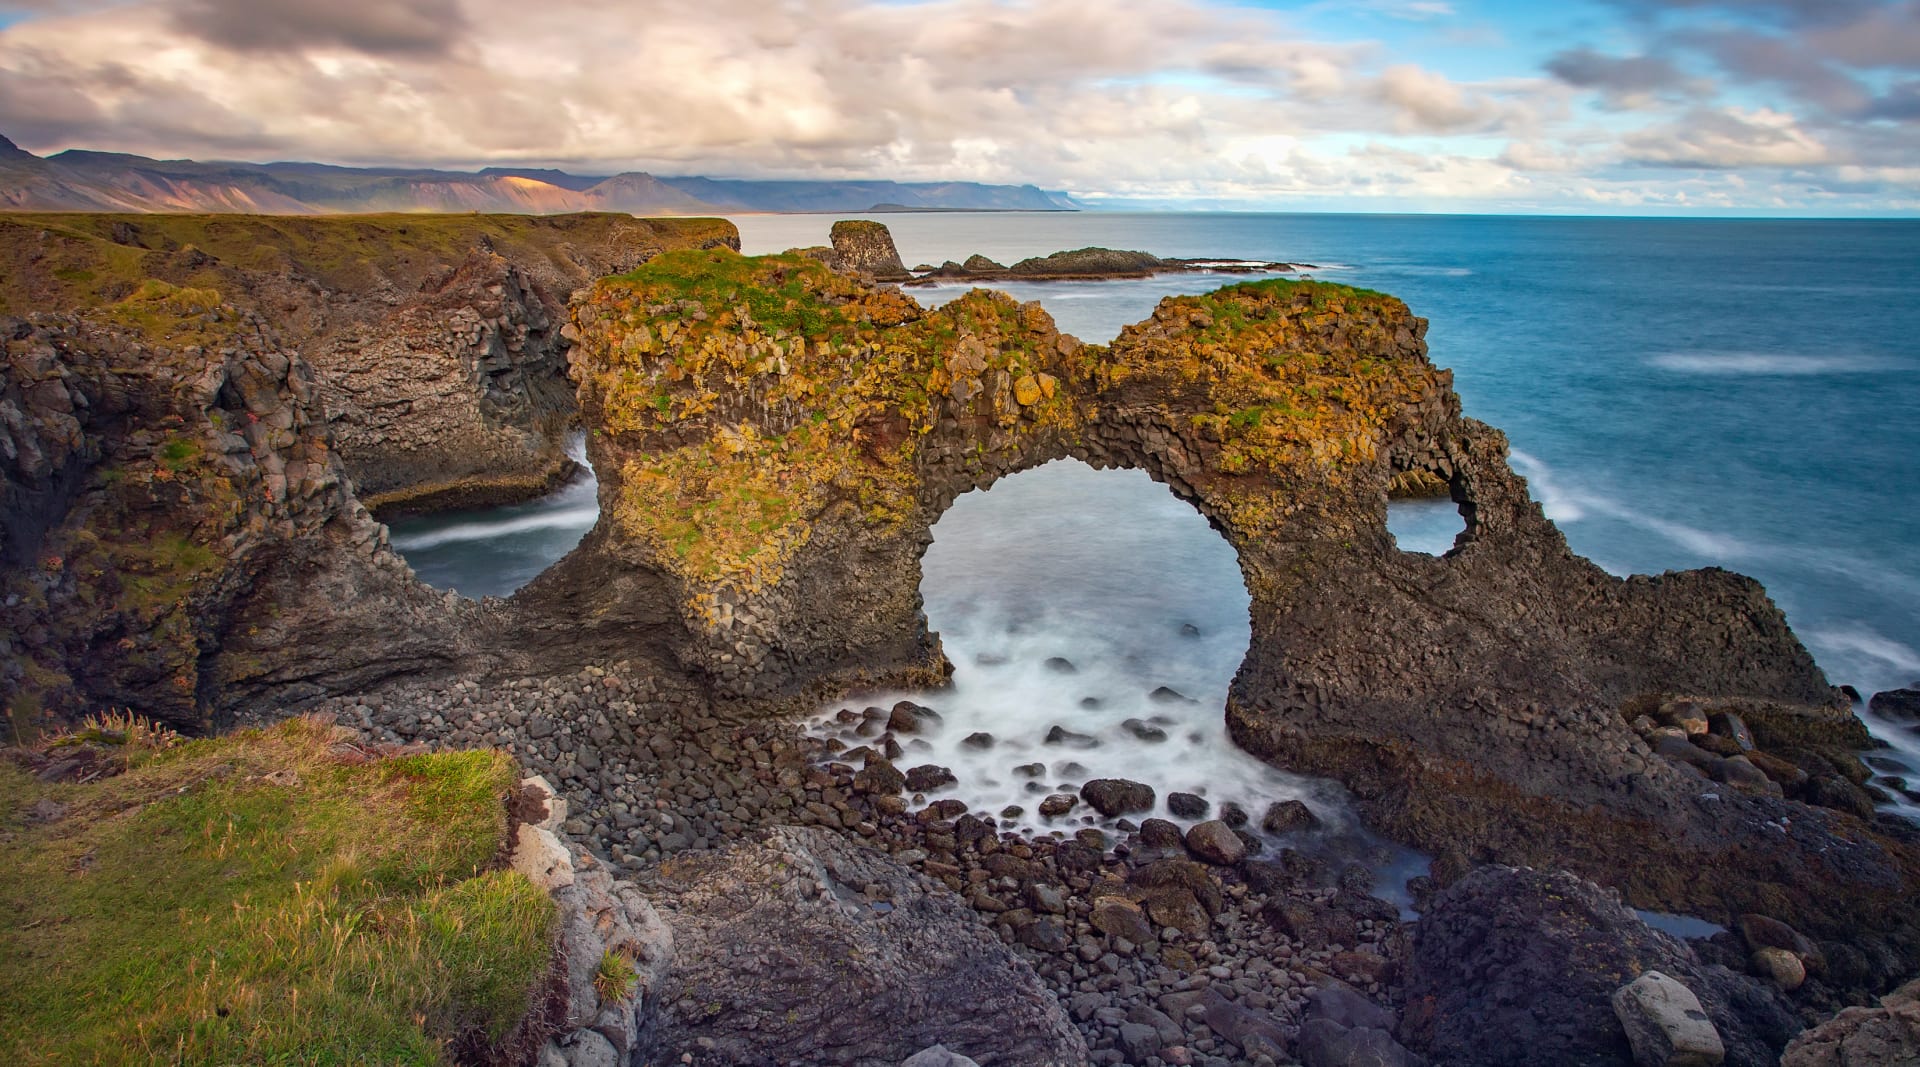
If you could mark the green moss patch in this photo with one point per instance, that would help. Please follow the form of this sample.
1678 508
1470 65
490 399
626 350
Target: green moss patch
272 897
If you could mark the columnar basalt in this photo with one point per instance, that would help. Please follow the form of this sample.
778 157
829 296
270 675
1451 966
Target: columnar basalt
180 535
775 441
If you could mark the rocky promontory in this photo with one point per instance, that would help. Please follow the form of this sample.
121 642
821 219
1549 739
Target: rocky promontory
775 437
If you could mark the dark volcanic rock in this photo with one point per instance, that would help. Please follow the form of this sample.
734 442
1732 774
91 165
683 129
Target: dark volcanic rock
1187 805
867 247
1088 263
1900 704
781 955
1515 967
928 777
1287 816
1117 796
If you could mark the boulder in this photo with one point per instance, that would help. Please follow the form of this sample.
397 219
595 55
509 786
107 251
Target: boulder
1884 1035
1514 966
1215 842
1288 816
1117 796
928 777
1899 704
1665 1024
784 954
1187 805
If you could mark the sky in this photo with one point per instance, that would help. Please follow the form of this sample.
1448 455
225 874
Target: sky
1804 107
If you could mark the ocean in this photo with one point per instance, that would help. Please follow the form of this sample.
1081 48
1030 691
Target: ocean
1679 393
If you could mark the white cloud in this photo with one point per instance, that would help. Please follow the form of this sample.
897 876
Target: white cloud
1728 137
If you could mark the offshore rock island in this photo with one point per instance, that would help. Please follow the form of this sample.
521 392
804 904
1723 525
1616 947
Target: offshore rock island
200 420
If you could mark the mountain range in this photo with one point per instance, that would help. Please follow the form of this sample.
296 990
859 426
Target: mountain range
80 180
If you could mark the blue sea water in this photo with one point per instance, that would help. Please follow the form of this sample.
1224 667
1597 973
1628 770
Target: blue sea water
1679 393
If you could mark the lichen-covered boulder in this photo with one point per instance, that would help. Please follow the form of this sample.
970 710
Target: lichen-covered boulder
864 247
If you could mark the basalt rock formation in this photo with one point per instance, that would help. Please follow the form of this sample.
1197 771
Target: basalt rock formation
1088 264
434 340
181 531
775 440
863 247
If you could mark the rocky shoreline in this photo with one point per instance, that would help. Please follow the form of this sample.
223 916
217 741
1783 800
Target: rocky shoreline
774 439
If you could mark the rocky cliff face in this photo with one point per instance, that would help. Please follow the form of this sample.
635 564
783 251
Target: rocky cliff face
434 340
180 534
777 439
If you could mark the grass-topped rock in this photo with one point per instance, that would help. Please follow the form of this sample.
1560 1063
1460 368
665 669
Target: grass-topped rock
775 441
778 437
277 896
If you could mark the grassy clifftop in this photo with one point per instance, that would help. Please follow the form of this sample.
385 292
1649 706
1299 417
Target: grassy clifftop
72 262
278 896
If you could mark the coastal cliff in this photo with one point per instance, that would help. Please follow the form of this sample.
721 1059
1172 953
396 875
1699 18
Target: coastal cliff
775 441
184 536
186 486
434 340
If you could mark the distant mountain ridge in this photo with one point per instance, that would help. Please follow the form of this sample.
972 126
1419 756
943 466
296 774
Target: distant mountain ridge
81 180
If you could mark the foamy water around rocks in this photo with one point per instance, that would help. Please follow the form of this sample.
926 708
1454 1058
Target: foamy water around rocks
1094 622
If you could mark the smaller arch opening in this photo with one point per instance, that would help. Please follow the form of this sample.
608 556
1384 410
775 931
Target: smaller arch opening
1428 525
494 551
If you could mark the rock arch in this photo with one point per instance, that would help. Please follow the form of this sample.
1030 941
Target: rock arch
775 441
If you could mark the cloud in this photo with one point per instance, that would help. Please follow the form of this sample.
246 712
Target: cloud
373 26
1625 81
1728 137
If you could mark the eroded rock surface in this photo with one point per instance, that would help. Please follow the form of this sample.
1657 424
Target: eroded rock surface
802 947
1881 1035
777 440
180 536
1514 966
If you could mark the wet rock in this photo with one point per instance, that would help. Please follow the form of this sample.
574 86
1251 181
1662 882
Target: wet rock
1144 730
1902 705
1061 665
1215 842
1187 805
1288 816
979 741
1665 1024
1884 1035
1030 770
879 776
777 930
1058 804
1165 695
1160 834
1117 796
928 777
1233 814
1060 735
906 717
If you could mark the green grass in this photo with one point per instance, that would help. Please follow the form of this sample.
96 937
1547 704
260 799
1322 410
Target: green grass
269 897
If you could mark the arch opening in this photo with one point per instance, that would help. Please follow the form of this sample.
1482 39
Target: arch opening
1430 526
495 551
1095 621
